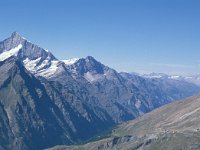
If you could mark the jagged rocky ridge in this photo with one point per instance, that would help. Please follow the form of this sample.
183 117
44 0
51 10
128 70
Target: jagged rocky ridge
46 102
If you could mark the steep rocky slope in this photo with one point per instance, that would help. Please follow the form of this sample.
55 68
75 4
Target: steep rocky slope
175 126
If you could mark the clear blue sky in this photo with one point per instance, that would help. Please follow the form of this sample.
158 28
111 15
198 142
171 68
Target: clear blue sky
128 35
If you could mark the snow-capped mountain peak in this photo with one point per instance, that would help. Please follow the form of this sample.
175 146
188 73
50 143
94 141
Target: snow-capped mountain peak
34 58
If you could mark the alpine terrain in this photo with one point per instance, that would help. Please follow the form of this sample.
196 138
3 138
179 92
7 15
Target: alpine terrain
46 102
171 127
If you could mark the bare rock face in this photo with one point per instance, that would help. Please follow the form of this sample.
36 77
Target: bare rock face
46 102
11 42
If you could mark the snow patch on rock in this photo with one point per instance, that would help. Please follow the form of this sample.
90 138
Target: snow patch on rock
70 61
12 52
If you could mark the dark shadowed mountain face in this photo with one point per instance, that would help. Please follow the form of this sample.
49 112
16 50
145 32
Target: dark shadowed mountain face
37 114
171 127
46 102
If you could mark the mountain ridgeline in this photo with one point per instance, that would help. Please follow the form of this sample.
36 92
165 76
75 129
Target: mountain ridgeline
46 102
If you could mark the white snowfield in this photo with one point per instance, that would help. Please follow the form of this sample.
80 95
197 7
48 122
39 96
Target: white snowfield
50 71
70 61
46 68
9 53
31 65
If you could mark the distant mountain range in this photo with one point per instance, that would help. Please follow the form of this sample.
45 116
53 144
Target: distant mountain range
171 127
195 79
46 102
